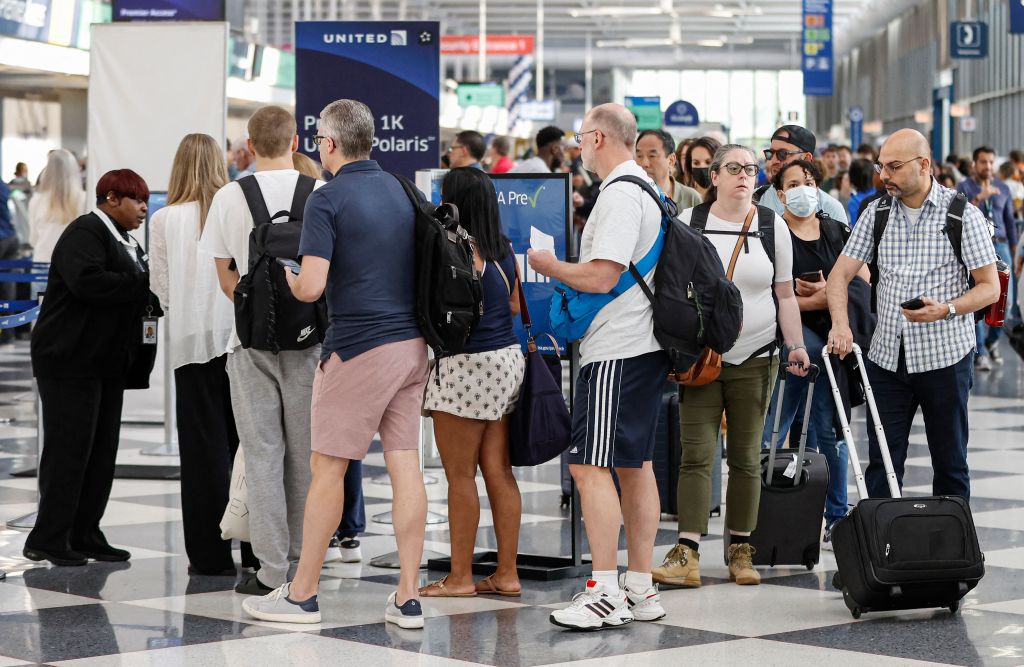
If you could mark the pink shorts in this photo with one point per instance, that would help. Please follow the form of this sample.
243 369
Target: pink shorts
379 391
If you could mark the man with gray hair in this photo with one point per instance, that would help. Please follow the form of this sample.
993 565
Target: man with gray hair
358 247
623 370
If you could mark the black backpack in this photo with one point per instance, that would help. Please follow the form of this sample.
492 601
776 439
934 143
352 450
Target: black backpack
449 294
954 232
267 316
759 192
694 305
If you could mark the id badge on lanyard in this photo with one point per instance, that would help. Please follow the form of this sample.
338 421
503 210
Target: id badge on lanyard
149 327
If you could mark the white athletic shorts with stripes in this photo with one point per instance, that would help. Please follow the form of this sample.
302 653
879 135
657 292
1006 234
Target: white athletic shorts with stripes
615 411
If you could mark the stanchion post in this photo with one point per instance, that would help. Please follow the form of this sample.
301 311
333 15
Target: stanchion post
169 447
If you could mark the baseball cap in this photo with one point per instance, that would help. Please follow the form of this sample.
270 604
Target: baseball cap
800 137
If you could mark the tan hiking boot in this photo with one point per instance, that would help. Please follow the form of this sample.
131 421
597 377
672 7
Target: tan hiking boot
681 568
741 566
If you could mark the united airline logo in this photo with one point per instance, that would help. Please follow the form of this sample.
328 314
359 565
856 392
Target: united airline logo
396 38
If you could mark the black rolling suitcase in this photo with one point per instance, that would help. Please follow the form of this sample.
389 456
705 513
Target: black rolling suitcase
901 553
792 505
667 452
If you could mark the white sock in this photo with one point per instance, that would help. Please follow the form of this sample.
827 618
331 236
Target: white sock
638 581
607 578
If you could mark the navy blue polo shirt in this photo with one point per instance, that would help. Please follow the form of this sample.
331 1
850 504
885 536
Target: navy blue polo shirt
363 223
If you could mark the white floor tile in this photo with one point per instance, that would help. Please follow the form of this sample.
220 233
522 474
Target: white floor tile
15 597
747 653
12 662
1013 558
1011 518
279 650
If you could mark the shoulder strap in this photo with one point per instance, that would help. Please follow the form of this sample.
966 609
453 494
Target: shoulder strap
766 229
881 220
504 277
303 188
955 225
833 231
667 208
524 309
740 240
759 192
254 199
699 217
411 191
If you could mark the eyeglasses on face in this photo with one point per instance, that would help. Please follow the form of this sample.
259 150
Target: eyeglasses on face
578 136
454 146
895 165
735 168
318 139
780 153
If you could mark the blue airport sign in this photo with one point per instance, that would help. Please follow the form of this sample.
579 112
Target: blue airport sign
968 39
681 114
1017 16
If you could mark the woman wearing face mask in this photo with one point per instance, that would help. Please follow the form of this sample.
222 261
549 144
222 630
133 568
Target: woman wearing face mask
698 163
817 242
744 386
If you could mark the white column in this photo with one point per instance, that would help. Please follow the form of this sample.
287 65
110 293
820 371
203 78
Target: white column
540 50
588 75
482 63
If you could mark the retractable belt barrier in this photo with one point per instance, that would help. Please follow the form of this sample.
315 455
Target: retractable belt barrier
16 313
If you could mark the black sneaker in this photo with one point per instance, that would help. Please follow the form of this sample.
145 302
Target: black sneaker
103 553
251 585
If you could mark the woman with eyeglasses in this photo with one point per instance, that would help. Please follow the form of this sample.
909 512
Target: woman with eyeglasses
743 388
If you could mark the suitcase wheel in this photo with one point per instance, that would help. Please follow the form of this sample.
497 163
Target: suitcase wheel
953 607
809 564
856 612
837 582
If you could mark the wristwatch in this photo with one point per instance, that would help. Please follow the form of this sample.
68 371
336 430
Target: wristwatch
952 312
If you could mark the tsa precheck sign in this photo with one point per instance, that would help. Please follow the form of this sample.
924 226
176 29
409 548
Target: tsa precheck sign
535 213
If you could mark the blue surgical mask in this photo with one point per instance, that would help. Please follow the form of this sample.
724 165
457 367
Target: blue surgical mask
802 200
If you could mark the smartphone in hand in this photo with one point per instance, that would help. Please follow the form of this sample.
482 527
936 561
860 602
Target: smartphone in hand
913 304
289 264
810 277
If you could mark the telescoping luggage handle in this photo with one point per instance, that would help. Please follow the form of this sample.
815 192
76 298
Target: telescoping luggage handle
883 444
812 374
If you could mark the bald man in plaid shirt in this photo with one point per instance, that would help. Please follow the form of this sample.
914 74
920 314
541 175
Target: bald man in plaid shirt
919 358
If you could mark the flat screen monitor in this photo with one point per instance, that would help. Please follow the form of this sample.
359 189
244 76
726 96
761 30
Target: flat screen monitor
168 10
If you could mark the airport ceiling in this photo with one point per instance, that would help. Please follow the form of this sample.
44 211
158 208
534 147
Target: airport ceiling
658 33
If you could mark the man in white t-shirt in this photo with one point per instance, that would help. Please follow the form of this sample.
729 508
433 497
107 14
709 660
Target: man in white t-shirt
619 387
270 393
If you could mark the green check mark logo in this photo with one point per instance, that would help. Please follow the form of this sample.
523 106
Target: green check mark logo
536 195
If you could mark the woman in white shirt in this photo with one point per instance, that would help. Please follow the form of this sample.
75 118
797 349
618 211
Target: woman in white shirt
57 200
199 321
743 388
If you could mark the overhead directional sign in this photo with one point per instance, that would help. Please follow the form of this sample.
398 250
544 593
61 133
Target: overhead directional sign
816 38
1017 16
968 39
647 111
681 114
856 116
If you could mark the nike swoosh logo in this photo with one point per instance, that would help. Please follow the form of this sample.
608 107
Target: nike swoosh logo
304 334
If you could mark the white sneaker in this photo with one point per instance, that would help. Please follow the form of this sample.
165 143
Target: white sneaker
277 608
645 605
594 609
982 363
343 551
333 554
408 616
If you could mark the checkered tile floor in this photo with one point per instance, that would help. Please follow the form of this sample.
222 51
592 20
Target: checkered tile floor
150 612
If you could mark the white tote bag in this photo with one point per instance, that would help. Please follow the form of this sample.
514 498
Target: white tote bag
235 523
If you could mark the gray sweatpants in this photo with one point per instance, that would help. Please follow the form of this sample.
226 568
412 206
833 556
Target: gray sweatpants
270 396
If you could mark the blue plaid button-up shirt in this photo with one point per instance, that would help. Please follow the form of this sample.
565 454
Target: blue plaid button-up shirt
917 260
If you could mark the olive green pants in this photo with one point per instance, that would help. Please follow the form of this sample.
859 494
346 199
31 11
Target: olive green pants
743 392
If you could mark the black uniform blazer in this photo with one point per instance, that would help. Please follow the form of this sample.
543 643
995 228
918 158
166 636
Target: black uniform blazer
90 325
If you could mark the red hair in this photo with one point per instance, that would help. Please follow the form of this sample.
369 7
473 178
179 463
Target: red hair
123 183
